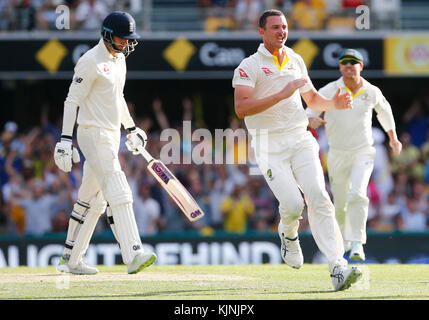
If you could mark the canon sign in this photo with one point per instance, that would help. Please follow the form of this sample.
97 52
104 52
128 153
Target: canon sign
332 51
212 55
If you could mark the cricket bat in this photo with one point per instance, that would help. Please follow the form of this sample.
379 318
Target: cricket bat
173 186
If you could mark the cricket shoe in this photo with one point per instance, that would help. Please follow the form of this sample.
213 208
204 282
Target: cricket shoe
141 261
81 268
62 265
342 278
356 251
291 251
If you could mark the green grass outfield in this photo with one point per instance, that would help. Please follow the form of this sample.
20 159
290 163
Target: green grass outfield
223 282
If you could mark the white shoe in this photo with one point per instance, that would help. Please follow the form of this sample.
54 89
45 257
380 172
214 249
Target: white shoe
342 278
81 268
63 266
141 261
356 251
291 251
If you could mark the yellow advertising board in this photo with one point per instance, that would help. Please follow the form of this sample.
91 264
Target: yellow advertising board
406 55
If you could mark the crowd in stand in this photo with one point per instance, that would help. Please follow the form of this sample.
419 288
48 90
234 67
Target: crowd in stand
36 197
216 15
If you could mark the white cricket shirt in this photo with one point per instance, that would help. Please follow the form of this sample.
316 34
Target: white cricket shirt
263 72
97 88
351 129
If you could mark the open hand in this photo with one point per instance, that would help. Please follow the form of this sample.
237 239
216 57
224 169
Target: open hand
342 101
291 87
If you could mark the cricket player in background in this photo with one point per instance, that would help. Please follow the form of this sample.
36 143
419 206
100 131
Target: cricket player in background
351 152
268 89
97 89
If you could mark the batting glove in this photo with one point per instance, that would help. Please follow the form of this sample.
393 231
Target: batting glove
65 153
135 138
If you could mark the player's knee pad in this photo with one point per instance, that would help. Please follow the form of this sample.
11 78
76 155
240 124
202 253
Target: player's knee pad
80 209
116 189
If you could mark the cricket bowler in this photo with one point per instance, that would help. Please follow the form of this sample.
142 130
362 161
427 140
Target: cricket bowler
268 88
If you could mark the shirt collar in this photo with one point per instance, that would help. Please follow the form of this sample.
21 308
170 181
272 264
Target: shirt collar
264 51
102 49
341 84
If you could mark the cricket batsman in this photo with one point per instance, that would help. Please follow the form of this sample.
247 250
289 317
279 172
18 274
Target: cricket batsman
351 152
97 90
268 89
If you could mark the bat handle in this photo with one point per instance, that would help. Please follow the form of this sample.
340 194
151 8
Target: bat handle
145 153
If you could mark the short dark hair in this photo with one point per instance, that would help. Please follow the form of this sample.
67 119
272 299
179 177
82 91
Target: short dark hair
266 14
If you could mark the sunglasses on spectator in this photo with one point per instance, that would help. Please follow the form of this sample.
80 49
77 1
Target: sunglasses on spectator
349 60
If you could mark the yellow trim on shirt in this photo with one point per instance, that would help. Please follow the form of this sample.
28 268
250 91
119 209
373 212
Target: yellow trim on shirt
357 93
276 61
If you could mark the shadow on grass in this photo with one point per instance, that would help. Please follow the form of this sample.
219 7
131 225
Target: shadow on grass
190 293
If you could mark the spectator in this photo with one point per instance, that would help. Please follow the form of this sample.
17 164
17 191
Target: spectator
308 15
352 4
38 209
265 215
198 192
408 161
147 211
90 14
247 14
47 15
388 215
221 186
25 15
60 222
218 14
237 209
417 122
381 174
411 218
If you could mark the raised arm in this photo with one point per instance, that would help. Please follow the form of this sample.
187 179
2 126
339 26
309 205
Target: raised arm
246 104
316 101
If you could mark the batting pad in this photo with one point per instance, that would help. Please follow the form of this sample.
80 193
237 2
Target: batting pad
116 189
77 218
81 242
118 195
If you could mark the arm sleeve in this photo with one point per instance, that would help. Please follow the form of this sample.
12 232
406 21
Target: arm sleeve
324 91
126 119
85 73
304 73
384 112
245 74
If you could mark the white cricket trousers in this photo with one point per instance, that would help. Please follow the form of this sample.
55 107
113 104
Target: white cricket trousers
290 164
349 173
100 148
102 172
